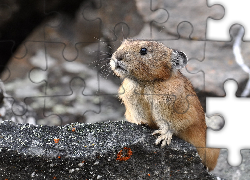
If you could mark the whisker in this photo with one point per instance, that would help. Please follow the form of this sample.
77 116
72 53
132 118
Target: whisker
102 63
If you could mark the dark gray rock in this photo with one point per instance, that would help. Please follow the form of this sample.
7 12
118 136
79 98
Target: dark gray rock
107 150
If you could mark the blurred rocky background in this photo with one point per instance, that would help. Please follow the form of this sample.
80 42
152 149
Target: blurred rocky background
55 55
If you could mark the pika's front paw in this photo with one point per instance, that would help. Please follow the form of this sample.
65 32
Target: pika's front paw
165 137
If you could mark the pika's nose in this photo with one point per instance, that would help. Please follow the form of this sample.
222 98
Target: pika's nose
119 56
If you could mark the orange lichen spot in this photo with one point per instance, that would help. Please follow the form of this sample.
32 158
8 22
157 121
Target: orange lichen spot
59 157
83 161
124 154
54 177
73 129
56 140
5 179
148 174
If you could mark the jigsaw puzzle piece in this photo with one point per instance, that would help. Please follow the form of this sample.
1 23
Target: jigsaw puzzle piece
27 58
194 49
60 73
236 12
232 172
103 12
56 12
75 102
16 23
87 108
15 53
18 84
152 14
235 111
221 62
177 12
57 66
72 31
21 20
177 102
42 63
11 33
59 12
82 86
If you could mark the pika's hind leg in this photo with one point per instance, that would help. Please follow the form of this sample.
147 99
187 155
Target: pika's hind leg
196 135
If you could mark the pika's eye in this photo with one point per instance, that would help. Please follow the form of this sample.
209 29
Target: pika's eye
143 51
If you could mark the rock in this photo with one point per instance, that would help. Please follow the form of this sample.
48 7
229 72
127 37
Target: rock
116 23
219 64
72 87
15 25
166 15
107 150
14 110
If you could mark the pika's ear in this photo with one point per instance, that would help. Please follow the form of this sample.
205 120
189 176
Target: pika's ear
178 59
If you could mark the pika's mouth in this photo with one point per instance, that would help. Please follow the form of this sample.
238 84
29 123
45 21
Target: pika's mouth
117 65
120 67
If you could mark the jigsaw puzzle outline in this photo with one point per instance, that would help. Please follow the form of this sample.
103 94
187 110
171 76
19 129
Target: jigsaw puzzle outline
77 50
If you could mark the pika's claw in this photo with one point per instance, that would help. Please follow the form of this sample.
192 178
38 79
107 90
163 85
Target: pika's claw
165 137
156 132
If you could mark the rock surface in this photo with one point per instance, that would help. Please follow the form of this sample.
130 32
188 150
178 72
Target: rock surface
107 150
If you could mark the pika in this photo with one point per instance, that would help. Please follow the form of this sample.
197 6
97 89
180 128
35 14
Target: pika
155 93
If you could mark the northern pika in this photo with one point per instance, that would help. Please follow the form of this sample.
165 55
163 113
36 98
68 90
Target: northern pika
156 93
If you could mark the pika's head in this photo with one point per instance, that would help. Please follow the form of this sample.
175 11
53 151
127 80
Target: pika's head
146 60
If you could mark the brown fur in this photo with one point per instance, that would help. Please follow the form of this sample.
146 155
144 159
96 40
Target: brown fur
156 94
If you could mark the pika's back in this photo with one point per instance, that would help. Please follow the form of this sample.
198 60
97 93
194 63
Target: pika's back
146 60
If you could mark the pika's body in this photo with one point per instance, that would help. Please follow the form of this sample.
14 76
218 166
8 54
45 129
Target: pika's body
155 93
